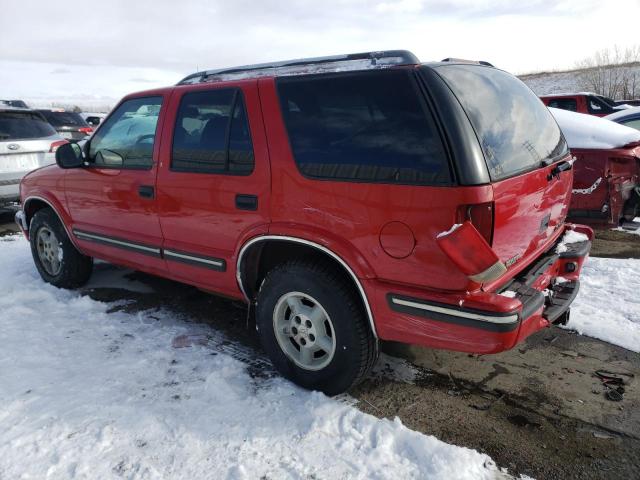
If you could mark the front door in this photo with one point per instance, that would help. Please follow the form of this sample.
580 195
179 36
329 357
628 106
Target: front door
112 201
213 182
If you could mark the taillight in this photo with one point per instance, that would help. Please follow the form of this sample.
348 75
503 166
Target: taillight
86 130
481 216
469 251
55 145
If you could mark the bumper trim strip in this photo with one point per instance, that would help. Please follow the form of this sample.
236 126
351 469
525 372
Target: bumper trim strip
497 322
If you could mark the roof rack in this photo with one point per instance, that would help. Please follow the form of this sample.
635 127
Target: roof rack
462 60
351 61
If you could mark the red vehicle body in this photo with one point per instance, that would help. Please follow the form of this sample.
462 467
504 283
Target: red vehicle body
225 233
584 102
606 186
606 183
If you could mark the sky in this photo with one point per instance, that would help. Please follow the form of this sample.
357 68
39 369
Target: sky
100 50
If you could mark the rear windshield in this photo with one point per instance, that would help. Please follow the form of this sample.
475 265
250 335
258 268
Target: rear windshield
516 131
23 126
64 119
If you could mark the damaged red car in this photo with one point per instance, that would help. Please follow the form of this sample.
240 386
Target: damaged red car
345 199
606 185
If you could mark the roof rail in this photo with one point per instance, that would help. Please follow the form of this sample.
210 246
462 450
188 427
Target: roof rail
462 60
359 61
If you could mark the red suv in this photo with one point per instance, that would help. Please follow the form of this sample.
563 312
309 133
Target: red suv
585 102
346 199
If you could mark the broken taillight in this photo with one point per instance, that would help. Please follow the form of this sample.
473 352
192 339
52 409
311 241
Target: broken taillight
481 216
467 248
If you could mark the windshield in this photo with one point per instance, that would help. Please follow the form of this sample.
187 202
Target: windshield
66 119
23 126
516 131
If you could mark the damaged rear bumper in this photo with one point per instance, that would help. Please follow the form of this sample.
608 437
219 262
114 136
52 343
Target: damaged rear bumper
488 322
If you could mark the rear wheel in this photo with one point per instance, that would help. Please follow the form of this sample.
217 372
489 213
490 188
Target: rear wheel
313 327
56 259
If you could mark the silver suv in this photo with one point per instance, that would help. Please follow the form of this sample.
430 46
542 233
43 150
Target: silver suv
27 142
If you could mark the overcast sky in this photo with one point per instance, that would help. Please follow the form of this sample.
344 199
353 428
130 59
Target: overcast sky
103 49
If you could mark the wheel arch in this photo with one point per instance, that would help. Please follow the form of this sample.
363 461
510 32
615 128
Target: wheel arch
34 203
251 270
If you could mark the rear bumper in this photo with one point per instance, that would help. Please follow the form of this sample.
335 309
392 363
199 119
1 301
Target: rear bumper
485 322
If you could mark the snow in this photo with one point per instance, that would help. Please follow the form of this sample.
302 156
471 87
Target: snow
630 111
89 394
509 294
571 236
590 132
453 228
608 305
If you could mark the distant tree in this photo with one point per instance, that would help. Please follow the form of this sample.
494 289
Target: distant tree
612 72
77 109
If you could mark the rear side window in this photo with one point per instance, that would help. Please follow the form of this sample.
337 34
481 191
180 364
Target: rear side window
370 127
64 119
126 138
564 104
212 134
516 130
23 126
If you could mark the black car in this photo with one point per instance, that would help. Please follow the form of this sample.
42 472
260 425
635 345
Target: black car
14 103
70 125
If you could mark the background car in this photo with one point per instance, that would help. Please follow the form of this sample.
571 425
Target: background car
606 182
629 117
583 102
13 103
27 142
69 125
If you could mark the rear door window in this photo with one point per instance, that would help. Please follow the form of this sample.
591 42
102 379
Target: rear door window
517 132
23 126
368 127
211 134
126 138
564 104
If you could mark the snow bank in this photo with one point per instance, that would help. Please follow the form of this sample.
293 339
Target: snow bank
588 131
90 394
607 306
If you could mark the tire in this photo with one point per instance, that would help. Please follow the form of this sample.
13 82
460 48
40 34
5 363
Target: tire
57 260
290 324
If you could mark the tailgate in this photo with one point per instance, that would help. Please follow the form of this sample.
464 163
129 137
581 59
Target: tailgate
529 209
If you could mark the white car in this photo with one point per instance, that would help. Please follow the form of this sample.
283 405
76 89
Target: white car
27 142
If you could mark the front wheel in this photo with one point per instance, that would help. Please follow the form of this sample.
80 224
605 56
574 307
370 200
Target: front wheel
313 327
57 260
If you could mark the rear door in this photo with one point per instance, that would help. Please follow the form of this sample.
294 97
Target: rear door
214 181
113 201
526 156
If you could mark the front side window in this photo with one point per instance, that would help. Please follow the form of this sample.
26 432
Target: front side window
368 127
126 138
211 134
598 105
517 132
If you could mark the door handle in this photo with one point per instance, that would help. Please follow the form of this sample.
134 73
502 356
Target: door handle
146 191
246 202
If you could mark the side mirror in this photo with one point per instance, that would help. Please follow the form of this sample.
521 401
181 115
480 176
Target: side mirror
69 155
